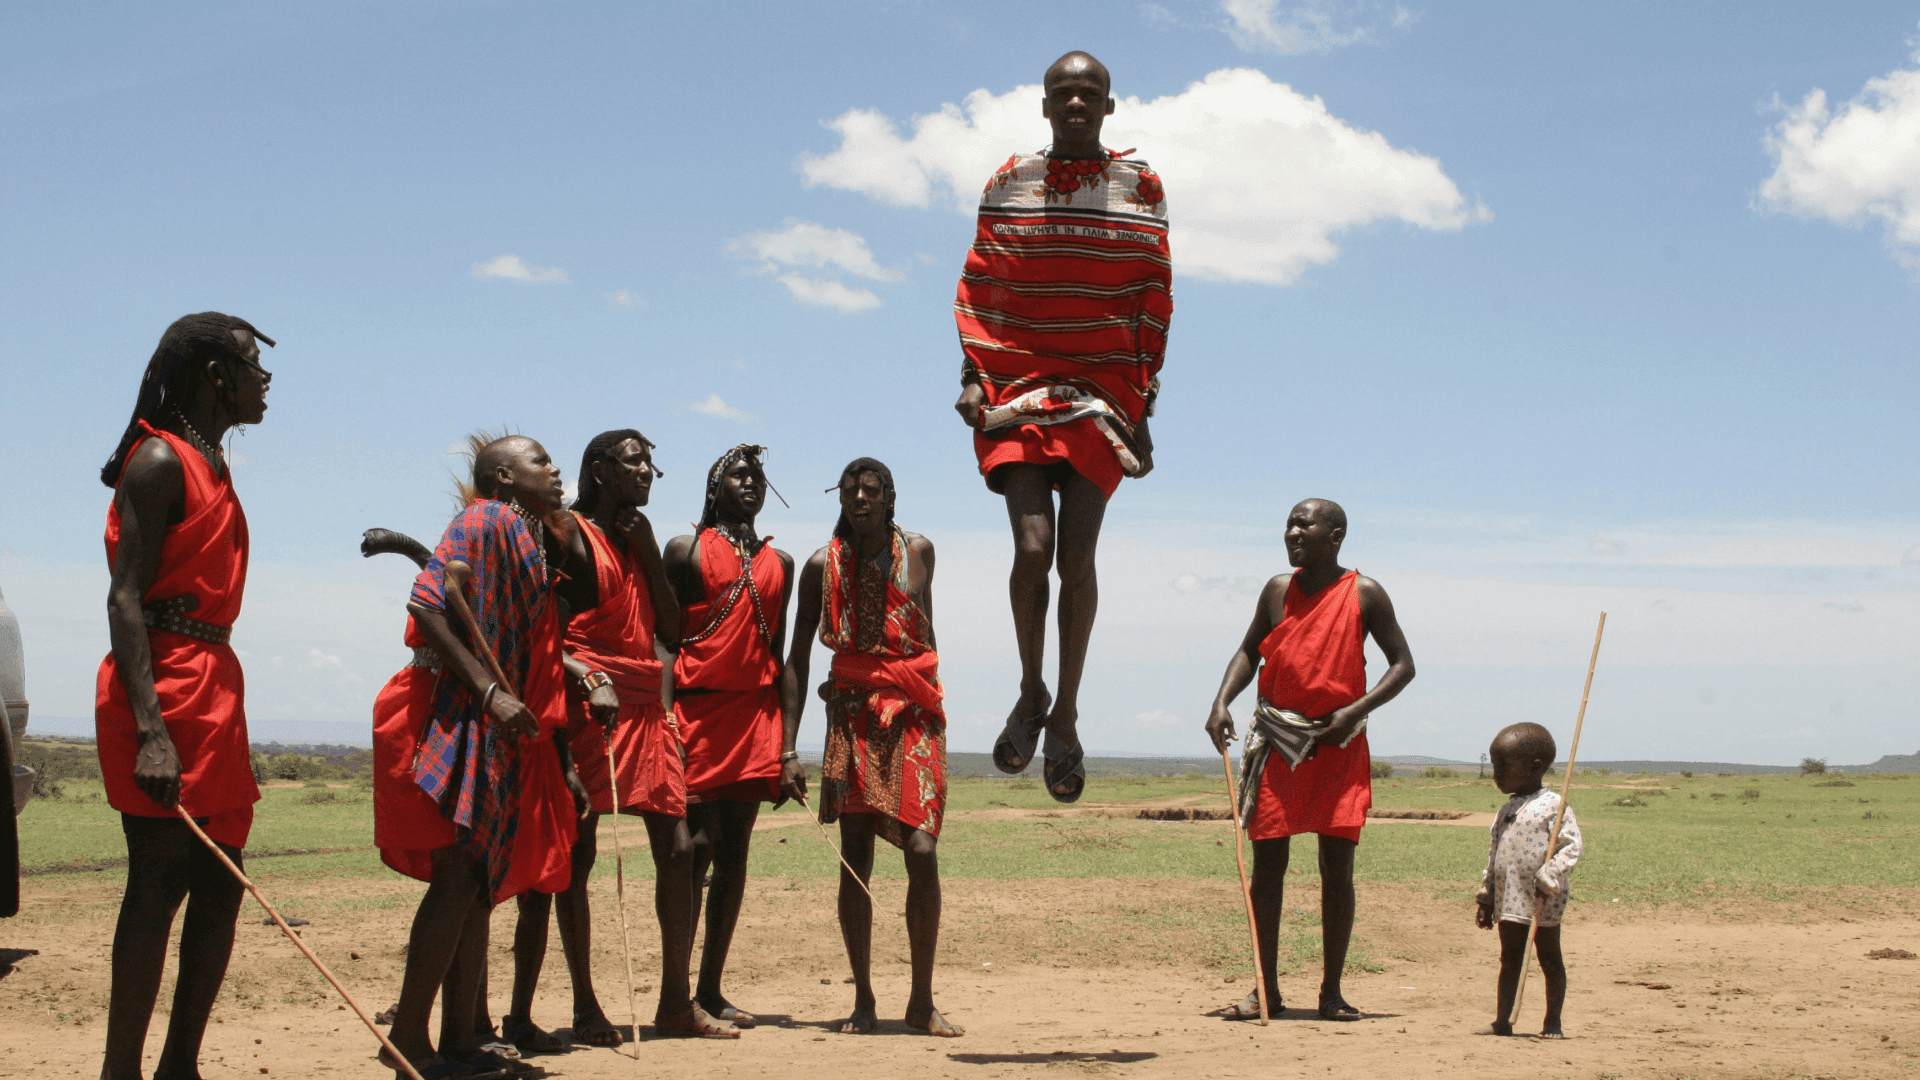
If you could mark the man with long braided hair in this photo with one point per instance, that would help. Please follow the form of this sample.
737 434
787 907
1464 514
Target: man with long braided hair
870 593
169 711
733 587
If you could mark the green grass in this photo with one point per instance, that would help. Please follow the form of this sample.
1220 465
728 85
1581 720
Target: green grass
1682 845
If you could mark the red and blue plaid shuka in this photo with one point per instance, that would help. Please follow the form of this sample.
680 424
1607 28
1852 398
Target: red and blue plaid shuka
473 774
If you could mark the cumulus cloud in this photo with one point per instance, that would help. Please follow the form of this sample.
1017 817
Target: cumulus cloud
626 300
713 406
515 268
826 292
805 243
1313 26
1853 164
1260 177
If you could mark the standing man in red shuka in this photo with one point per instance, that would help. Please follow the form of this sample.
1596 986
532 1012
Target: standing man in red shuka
1306 768
492 763
1062 309
169 710
733 587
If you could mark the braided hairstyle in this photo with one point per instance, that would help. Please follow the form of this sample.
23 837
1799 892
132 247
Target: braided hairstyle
601 449
747 452
843 528
174 378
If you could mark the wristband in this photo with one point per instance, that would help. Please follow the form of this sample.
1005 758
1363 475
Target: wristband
486 699
594 680
791 755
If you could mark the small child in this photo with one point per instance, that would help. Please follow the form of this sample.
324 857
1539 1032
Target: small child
1519 871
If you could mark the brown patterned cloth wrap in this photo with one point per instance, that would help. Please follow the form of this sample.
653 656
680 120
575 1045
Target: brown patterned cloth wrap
886 727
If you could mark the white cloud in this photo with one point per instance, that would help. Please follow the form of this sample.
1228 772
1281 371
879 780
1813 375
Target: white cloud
804 243
1911 557
515 268
1602 544
1853 164
1313 26
1260 177
626 300
713 406
826 292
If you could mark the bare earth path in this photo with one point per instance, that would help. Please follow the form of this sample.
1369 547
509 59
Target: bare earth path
1057 978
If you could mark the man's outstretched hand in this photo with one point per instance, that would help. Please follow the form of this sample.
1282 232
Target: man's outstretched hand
972 400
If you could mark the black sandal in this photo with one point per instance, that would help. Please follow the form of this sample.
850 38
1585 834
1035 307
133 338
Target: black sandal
1069 771
1013 750
1336 1008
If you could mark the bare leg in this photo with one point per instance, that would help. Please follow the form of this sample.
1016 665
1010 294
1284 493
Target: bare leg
463 1006
458 891
157 876
676 903
529 955
923 932
1029 495
574 913
1513 954
1336 923
1269 886
1553 969
206 943
729 829
856 920
1083 507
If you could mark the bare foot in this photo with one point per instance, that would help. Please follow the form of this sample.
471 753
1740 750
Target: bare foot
1498 1027
929 1020
594 1029
1552 1031
692 1024
862 1022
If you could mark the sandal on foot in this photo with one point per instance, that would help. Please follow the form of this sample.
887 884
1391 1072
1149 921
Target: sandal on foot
1248 1009
739 1018
1013 750
1069 770
1336 1008
528 1038
600 1033
493 1065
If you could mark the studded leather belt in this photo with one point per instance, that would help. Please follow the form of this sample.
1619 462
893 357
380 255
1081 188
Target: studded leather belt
170 615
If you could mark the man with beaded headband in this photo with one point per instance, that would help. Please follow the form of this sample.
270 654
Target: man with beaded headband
870 594
169 713
733 587
1062 310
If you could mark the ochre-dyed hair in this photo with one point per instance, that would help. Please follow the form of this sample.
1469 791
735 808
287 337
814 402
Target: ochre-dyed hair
474 486
175 375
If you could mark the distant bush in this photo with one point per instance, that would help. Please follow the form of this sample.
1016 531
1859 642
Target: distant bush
1750 793
1834 783
1688 775
293 767
1606 772
1630 800
1438 772
1813 765
1382 770
57 764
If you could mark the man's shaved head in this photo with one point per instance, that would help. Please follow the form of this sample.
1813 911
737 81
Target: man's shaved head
489 458
1074 63
1325 509
1526 742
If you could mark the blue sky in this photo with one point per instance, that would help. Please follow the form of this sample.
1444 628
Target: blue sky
1572 307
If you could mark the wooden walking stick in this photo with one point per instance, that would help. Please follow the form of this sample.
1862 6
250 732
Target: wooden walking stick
620 893
457 574
295 938
1246 891
828 840
1559 816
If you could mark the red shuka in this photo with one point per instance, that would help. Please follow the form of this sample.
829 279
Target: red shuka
617 637
725 688
407 825
1315 662
200 686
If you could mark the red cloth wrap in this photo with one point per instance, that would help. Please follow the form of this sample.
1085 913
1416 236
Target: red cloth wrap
616 637
1078 444
201 689
1315 662
726 697
543 845
407 826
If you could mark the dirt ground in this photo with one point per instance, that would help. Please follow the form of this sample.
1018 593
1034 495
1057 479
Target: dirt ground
1054 978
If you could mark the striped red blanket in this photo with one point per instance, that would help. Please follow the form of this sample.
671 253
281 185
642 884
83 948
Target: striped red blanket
1067 286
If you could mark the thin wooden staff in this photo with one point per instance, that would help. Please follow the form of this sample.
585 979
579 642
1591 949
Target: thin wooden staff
295 938
1559 816
457 574
1246 891
828 840
620 893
